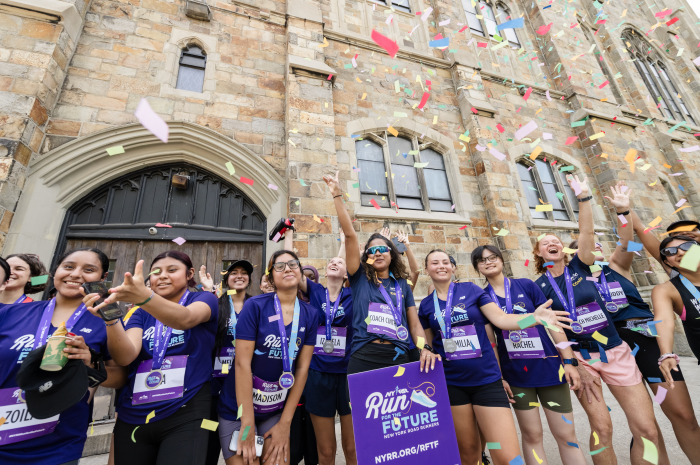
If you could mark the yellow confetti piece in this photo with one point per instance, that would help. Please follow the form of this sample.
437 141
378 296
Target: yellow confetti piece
600 338
539 460
668 167
595 436
435 118
231 292
317 219
326 103
393 131
210 425
326 44
364 96
290 141
595 268
656 221
534 404
691 258
653 183
2 420
624 12
535 152
396 421
224 368
370 261
544 208
150 415
651 453
604 155
568 250
400 371
561 372
630 157
231 169
92 428
464 138
597 136
115 150
367 320
421 342
684 206
410 283
240 412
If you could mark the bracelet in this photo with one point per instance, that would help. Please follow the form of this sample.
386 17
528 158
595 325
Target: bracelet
115 322
624 213
669 355
585 199
147 300
336 196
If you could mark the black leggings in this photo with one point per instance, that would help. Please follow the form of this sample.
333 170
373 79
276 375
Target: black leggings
177 439
214 447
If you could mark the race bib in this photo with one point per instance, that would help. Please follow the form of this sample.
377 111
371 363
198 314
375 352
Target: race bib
590 318
467 343
381 320
525 343
338 335
268 396
226 356
618 295
157 385
19 424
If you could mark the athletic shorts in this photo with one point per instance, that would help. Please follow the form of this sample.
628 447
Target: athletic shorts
228 427
486 395
556 398
414 355
326 393
647 356
621 369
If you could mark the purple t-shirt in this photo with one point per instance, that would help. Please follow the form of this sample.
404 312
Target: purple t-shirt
197 343
18 325
466 311
254 325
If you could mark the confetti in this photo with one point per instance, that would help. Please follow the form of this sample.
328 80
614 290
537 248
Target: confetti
497 154
691 258
273 318
231 169
115 150
247 181
245 433
37 280
525 130
272 186
384 42
151 121
564 345
600 338
651 454
571 140
544 208
400 371
149 416
660 395
594 452
634 246
210 425
512 24
527 93
179 240
527 322
493 445
133 439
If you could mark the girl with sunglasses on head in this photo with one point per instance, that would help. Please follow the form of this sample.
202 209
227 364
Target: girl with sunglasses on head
600 353
23 267
167 345
530 362
275 339
25 327
473 377
378 282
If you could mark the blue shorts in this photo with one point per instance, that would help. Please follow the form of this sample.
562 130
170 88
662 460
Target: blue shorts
327 393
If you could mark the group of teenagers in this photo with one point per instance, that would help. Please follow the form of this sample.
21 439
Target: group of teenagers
245 361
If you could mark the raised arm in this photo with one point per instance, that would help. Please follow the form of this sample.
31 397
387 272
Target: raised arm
289 239
586 240
351 241
412 262
621 259
341 249
662 301
649 240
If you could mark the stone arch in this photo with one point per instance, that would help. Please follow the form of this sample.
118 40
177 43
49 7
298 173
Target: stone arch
189 40
68 173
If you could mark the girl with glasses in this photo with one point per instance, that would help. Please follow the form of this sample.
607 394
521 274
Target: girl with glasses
599 351
380 292
23 267
275 339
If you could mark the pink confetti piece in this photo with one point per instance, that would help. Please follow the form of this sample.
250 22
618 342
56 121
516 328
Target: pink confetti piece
425 14
179 240
444 23
546 136
247 181
547 93
681 202
386 43
277 237
480 148
694 148
150 120
423 100
663 13
576 187
672 21
463 29
482 44
603 84
161 225
525 130
329 77
375 204
527 93
472 40
622 219
273 318
660 396
389 19
591 278
564 345
354 63
497 154
571 140
696 61
542 30
474 110
500 128
272 186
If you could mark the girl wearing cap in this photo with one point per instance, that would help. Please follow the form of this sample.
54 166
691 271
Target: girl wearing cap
599 351
23 267
378 280
275 338
167 345
532 370
24 327
473 377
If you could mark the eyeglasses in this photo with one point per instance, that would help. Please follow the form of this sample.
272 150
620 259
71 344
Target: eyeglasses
671 251
490 259
378 248
280 266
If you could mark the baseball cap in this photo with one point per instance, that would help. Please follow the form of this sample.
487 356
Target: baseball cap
245 264
677 224
49 393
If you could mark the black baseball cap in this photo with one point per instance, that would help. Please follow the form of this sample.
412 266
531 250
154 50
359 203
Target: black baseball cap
678 224
49 393
245 264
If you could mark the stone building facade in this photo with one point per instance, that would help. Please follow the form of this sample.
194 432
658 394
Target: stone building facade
292 90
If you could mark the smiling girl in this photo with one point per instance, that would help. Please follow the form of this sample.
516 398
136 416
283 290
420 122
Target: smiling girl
23 267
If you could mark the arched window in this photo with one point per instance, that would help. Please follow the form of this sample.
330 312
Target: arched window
190 76
655 76
475 26
400 171
541 181
503 15
482 14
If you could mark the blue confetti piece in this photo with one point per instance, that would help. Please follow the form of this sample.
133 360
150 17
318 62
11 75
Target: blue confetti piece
635 350
609 409
257 352
512 24
548 264
398 352
603 357
654 380
568 422
634 246
548 6
585 354
444 42
517 461
681 188
355 135
573 444
652 327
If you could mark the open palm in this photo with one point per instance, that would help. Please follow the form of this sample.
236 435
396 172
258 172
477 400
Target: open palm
620 197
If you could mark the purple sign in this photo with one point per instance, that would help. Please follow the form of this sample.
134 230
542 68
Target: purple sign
339 337
403 416
524 343
268 396
381 320
163 384
591 318
19 424
226 356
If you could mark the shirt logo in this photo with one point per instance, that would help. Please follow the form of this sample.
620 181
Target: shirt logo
46 386
86 330
462 298
520 296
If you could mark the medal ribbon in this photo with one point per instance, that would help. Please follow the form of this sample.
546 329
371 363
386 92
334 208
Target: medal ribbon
45 322
233 320
161 338
570 305
509 303
603 288
288 347
330 314
446 322
395 310
21 299
691 288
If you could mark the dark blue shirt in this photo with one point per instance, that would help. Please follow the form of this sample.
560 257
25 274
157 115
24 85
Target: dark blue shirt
343 319
540 371
637 308
585 292
364 293
18 325
467 301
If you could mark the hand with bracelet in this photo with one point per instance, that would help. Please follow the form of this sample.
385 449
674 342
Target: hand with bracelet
668 362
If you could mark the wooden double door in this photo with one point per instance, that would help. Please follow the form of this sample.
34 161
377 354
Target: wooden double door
216 256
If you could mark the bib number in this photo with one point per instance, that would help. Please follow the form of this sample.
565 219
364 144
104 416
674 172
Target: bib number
467 342
338 336
19 424
226 357
268 396
381 320
158 385
524 343
590 318
618 295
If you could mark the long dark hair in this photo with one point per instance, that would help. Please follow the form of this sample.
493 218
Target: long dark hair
36 268
180 257
667 241
396 266
104 260
225 312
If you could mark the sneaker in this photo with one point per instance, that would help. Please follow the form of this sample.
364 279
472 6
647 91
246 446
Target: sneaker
420 398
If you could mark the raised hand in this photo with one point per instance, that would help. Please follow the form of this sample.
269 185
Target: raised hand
620 197
402 237
386 232
333 183
205 279
133 290
579 187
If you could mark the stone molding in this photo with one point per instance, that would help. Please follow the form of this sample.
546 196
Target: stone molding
305 10
71 19
310 65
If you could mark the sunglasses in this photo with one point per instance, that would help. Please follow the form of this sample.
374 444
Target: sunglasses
280 266
378 248
671 251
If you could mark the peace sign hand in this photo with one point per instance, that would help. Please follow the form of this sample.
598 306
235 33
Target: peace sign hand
621 197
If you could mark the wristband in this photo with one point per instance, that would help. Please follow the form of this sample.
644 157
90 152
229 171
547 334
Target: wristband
147 300
336 196
115 322
624 213
669 355
585 199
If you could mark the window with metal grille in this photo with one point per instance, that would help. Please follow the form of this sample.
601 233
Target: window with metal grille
546 184
401 5
474 23
388 174
190 76
486 16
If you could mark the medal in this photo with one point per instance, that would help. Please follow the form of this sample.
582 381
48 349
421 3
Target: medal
328 346
514 336
288 346
330 316
402 332
154 379
450 345
576 327
612 307
604 291
286 381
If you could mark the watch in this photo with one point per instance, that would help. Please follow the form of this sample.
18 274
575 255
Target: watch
429 349
571 361
585 199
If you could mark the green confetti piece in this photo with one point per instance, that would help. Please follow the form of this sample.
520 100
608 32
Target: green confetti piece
356 185
115 150
591 362
245 433
527 322
576 124
349 65
303 183
367 320
493 445
560 196
231 169
133 439
594 452
567 168
37 280
553 404
296 203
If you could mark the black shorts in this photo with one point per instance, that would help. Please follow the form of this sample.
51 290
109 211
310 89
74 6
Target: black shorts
648 354
373 356
414 355
486 395
327 393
